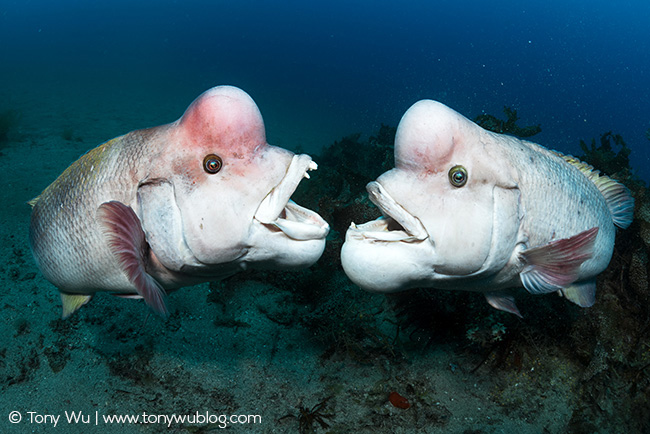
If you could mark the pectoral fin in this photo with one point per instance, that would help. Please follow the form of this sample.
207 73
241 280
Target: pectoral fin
127 242
556 265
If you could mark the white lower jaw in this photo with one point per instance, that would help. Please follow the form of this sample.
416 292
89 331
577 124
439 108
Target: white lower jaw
380 265
299 223
285 244
301 231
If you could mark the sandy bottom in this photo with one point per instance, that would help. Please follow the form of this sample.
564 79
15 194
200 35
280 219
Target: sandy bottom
240 347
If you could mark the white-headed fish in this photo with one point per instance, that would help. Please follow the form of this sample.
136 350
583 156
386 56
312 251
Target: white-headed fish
472 210
157 209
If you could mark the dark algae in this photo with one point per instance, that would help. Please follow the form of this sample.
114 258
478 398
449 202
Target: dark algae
507 126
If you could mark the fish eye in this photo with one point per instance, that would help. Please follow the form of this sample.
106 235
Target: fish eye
212 163
458 176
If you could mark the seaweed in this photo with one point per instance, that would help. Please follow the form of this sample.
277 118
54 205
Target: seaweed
431 316
363 159
612 339
604 158
350 163
509 126
350 323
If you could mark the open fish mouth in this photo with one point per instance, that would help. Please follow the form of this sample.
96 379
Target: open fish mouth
278 211
396 224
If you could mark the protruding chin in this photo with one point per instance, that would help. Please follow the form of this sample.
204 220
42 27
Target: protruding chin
387 266
272 248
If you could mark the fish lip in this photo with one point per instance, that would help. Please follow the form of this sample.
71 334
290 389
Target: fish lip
279 212
412 229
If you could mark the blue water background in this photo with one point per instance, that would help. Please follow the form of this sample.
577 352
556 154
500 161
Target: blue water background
578 68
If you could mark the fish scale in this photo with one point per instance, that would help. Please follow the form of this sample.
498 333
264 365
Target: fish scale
64 215
548 182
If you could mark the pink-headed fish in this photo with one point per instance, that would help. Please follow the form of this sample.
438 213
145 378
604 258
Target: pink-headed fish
468 209
161 208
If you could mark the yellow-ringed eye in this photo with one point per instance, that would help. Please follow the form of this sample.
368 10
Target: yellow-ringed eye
212 163
458 176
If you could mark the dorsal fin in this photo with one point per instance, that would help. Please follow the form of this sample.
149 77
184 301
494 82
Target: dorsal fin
32 202
618 197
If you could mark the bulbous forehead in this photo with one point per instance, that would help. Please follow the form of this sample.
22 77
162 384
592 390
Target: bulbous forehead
224 117
429 134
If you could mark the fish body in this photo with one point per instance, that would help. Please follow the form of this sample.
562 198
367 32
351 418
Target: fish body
161 208
468 209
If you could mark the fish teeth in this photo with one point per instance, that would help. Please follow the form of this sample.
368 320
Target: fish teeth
411 224
274 202
312 166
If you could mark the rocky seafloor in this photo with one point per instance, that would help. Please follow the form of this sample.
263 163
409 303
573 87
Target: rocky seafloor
310 352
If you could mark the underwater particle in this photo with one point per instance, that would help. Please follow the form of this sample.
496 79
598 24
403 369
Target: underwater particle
398 400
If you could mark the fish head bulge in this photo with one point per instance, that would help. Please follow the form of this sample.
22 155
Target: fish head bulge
449 214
